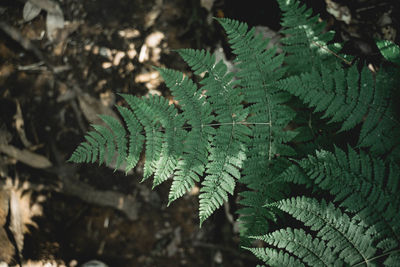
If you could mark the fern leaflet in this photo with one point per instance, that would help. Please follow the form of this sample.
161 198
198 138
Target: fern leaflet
352 98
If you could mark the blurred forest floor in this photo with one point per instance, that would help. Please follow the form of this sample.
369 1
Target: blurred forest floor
61 63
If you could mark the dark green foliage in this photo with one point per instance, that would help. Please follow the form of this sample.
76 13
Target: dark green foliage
339 238
181 152
228 149
306 135
305 41
313 251
366 187
352 98
136 139
390 51
258 69
363 185
197 112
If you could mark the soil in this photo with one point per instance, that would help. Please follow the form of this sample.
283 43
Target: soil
50 90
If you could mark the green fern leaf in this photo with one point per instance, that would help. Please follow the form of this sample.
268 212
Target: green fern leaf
119 133
242 127
311 251
274 257
361 99
91 142
136 139
347 238
389 50
305 38
393 259
227 151
109 140
263 186
197 113
258 69
364 185
153 139
162 150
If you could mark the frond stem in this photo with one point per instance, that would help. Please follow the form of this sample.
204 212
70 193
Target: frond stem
232 123
333 53
377 257
221 124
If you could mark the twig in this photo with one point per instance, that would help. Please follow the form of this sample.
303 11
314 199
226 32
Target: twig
333 53
69 185
34 66
127 204
24 42
377 257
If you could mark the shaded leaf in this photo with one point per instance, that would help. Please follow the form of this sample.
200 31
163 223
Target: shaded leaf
30 11
389 50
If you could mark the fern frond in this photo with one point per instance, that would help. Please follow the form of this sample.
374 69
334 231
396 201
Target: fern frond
228 150
109 138
253 217
222 171
197 113
119 137
242 127
258 69
352 98
136 139
364 185
348 239
274 257
264 185
305 38
393 259
162 150
311 251
95 145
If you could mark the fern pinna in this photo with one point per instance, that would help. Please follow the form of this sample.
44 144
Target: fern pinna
258 69
173 150
262 126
